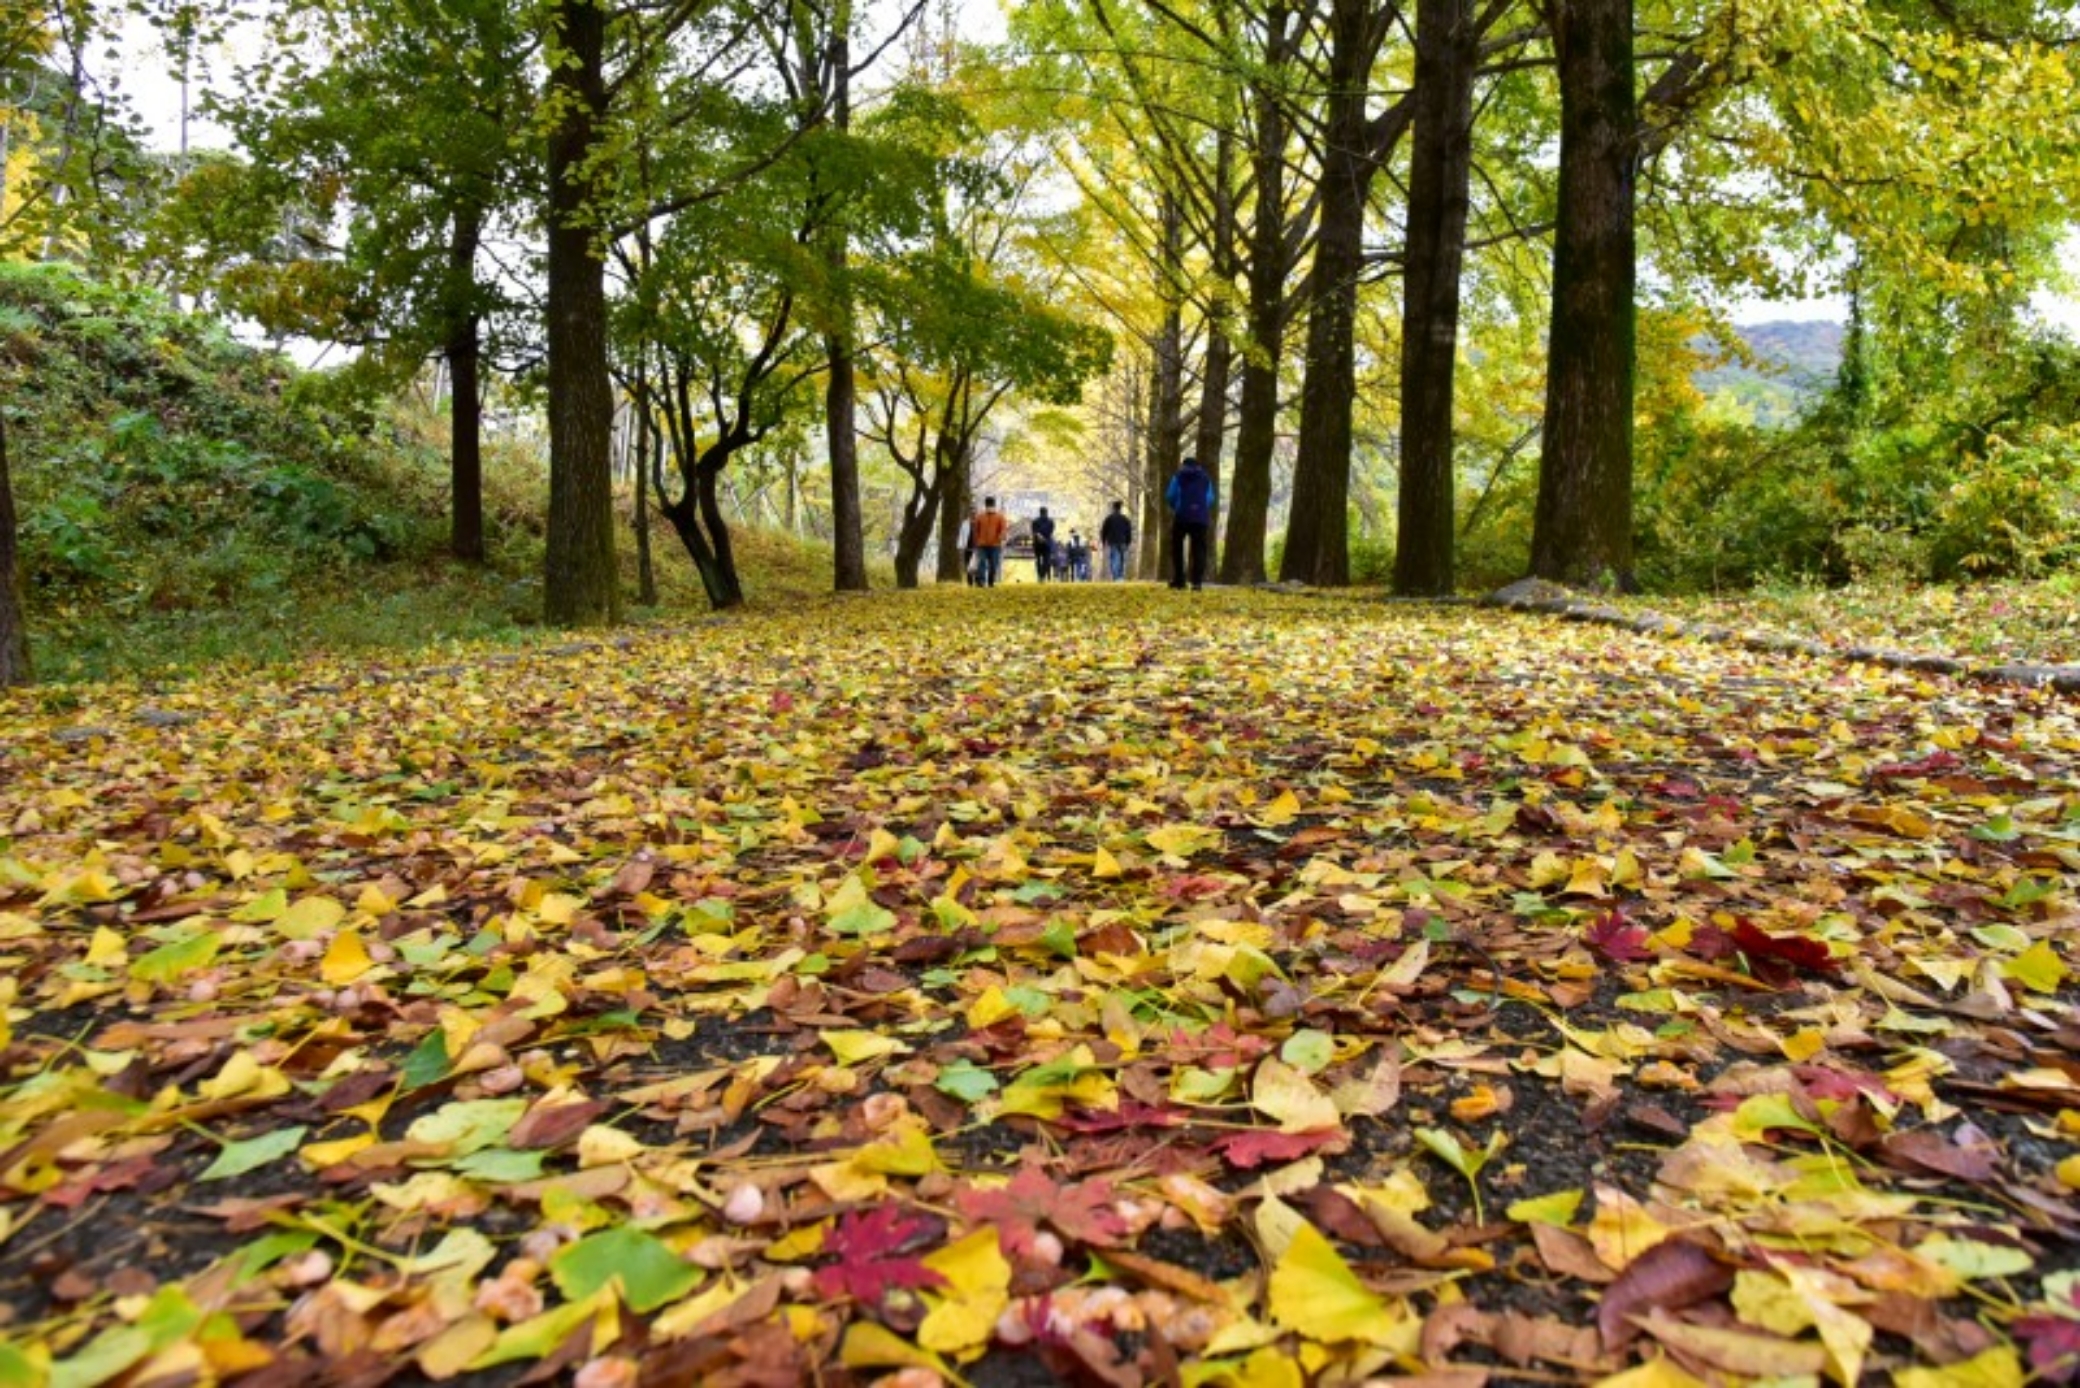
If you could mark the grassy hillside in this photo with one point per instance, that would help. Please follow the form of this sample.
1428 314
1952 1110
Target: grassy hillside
187 500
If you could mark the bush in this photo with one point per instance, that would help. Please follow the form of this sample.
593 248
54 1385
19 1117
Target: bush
2015 513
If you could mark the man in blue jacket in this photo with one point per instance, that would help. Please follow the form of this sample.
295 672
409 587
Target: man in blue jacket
1192 497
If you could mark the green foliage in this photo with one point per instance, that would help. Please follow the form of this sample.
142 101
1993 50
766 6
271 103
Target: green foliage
1947 472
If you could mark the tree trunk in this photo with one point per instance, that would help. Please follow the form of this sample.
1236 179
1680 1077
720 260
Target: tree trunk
649 461
465 392
848 516
920 515
14 631
1318 531
729 591
1213 381
958 501
1256 423
1441 164
1583 530
841 398
1166 402
580 583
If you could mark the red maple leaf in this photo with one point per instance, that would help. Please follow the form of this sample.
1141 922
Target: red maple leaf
1925 766
2054 1347
1247 1151
1776 958
870 1255
1131 1113
1617 939
1083 1211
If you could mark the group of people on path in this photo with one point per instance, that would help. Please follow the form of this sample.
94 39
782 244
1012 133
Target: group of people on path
1191 495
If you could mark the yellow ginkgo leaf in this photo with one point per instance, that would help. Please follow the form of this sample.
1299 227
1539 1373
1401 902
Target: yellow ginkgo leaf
346 959
858 1047
1655 1373
1282 1092
978 1288
1315 1294
1284 810
1183 840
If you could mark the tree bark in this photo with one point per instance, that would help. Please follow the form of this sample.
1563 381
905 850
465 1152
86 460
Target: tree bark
1212 432
1583 529
649 461
465 395
1318 530
14 630
1256 422
580 582
1166 401
848 516
954 507
841 396
1440 174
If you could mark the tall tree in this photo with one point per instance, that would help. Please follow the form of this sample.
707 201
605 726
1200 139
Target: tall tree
1276 234
408 126
1440 176
1353 142
580 581
1582 532
14 629
822 92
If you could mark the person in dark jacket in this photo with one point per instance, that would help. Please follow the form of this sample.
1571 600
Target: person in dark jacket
1117 535
1043 545
1192 497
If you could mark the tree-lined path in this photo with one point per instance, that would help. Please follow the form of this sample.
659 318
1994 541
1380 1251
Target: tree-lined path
1235 990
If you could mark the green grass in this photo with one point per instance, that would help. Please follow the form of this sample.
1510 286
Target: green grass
192 504
1993 623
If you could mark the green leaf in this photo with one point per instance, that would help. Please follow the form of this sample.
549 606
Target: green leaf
170 961
468 1125
866 918
650 1274
1308 1051
427 1062
237 1158
966 1081
501 1166
1060 937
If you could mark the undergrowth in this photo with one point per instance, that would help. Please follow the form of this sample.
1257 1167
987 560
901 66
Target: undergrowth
190 502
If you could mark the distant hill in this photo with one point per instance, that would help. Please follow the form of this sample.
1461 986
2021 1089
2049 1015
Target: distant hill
1794 362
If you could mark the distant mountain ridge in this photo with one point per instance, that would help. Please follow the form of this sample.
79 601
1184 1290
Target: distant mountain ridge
1795 361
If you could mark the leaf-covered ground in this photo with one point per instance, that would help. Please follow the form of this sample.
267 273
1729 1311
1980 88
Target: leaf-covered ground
1989 623
1082 985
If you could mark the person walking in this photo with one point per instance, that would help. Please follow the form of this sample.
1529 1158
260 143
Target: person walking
986 532
1192 497
1043 545
1079 557
1116 533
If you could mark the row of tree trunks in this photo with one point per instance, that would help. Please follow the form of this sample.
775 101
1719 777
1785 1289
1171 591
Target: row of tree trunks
1441 164
580 582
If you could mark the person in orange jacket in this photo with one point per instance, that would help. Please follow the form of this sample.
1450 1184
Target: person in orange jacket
986 532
